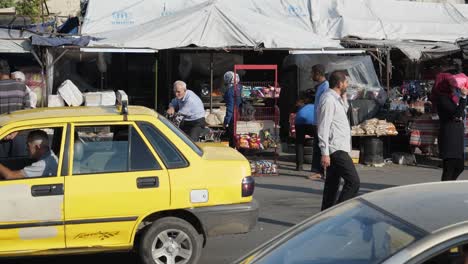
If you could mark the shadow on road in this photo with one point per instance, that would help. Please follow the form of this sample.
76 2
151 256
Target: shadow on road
288 188
365 188
275 222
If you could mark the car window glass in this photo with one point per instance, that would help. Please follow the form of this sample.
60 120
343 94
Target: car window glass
141 157
170 155
110 148
15 154
359 234
182 135
98 149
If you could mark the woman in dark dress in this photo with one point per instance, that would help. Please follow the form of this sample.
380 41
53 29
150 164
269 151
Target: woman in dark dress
451 110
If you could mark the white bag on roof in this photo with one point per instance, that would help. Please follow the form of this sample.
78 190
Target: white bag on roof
105 98
70 93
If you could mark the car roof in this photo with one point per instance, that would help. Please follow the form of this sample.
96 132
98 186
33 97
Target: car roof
71 112
430 206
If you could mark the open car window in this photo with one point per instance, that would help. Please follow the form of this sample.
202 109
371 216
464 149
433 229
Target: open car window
14 152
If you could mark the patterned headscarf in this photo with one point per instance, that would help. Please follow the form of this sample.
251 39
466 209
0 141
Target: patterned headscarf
229 78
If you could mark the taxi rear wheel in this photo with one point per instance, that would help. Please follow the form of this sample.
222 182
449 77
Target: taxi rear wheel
171 240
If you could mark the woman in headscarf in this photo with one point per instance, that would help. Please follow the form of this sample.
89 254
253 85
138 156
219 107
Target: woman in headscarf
451 110
231 93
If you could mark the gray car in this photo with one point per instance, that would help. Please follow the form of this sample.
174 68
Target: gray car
423 223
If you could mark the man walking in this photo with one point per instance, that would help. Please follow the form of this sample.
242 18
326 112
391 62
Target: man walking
334 135
318 76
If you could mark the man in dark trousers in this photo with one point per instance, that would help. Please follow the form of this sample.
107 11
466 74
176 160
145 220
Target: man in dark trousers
318 76
334 135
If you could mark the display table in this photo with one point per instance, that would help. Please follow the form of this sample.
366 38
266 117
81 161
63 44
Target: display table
424 132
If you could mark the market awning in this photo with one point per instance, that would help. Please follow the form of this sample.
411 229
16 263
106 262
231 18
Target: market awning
414 50
389 19
212 24
15 46
463 44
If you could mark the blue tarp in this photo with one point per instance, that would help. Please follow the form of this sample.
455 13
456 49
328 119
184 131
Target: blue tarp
60 41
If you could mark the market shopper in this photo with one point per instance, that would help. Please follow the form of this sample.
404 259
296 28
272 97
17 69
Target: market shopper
20 77
190 106
305 125
13 94
231 97
318 76
451 111
13 97
334 135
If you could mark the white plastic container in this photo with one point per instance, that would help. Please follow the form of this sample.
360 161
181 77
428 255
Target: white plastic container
55 100
70 93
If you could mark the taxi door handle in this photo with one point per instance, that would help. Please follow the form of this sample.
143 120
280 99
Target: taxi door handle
47 190
147 182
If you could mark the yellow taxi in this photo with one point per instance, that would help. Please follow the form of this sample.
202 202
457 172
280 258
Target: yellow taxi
116 180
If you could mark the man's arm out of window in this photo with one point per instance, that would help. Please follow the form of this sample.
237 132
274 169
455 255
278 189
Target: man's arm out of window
8 174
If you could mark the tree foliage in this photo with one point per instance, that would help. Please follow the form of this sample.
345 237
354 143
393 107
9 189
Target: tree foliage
6 3
31 8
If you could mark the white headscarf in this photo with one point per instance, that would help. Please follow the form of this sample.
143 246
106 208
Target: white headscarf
17 75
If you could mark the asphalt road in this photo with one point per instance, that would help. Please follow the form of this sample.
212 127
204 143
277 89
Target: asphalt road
284 201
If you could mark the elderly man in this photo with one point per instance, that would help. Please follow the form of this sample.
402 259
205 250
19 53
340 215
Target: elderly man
190 106
46 162
20 77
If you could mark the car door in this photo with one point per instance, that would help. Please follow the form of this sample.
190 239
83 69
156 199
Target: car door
31 215
115 179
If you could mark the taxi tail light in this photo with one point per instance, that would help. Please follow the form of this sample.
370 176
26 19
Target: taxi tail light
248 186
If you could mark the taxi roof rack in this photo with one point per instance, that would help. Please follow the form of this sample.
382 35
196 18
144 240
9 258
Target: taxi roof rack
122 103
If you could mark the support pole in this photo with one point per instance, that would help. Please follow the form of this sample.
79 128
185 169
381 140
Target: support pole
211 82
49 66
156 69
389 68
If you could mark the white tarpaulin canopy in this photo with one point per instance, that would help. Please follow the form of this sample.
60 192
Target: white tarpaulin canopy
293 24
214 24
415 50
390 20
14 41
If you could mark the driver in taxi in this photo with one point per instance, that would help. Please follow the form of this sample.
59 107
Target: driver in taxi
46 163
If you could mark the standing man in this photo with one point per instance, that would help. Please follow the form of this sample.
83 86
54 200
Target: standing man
318 76
190 106
13 94
334 134
20 77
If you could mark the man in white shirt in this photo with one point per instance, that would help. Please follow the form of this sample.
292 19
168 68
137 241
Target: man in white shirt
190 106
334 135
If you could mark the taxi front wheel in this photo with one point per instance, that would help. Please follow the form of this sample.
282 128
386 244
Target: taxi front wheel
171 240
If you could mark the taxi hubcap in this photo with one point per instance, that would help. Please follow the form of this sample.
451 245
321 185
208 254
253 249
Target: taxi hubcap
172 247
